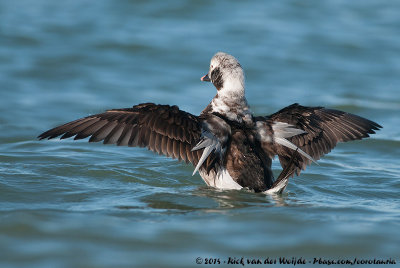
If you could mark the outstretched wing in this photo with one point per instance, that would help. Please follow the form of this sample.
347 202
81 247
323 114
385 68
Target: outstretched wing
318 131
161 128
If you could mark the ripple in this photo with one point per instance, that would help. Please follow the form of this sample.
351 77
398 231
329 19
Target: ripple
73 204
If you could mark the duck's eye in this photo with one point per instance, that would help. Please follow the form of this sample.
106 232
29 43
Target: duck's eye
211 66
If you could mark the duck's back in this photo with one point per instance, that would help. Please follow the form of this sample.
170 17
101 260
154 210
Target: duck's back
247 163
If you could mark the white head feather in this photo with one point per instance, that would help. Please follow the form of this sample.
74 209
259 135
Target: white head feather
227 75
232 75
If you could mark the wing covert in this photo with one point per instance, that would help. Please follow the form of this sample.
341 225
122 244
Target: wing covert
323 129
163 129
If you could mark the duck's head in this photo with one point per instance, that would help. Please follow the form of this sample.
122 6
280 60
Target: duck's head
225 73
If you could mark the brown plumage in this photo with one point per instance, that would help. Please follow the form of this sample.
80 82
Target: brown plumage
229 147
162 129
324 129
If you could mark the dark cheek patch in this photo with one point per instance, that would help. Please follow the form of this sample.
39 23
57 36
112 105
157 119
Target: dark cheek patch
216 78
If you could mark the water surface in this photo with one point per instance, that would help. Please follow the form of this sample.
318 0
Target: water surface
74 204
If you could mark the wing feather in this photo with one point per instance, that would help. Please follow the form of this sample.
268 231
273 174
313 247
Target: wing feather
114 134
163 129
102 133
324 129
123 140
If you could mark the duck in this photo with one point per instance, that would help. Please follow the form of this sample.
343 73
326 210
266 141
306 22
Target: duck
229 146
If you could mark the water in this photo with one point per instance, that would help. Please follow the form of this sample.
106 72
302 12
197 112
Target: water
74 204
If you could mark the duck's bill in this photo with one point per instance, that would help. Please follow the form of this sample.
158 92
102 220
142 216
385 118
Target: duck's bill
205 78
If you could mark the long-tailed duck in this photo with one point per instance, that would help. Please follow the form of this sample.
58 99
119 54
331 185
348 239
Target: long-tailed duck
229 146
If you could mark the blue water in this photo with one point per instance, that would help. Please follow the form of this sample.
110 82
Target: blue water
75 204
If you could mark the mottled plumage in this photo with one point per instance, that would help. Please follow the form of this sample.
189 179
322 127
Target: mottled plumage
229 146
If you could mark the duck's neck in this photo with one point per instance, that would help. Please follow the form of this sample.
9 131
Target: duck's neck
231 102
